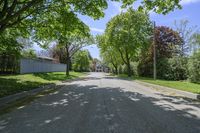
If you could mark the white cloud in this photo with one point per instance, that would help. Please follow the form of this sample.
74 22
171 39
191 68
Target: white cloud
96 29
185 2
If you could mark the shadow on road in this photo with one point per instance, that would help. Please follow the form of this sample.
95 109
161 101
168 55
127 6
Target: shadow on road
90 109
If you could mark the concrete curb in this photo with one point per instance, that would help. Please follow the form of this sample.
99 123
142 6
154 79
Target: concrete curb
12 98
179 92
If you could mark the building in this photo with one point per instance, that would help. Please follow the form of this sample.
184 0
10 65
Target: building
48 59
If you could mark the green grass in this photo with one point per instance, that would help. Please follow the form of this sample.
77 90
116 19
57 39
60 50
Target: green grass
180 85
11 84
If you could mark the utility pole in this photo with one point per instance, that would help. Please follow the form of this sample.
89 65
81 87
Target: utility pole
154 50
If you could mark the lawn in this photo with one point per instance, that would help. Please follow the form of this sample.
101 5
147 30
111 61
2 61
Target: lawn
180 85
11 84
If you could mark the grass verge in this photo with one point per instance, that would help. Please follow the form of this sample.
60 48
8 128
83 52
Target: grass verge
11 84
179 85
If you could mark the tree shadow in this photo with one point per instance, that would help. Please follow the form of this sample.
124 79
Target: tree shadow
180 100
79 108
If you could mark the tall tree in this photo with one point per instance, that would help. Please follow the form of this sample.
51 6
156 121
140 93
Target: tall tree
127 33
109 55
195 42
186 32
13 12
81 61
167 43
65 28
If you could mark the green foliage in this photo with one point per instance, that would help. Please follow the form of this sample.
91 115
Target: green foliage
10 51
172 68
13 12
178 68
125 35
29 53
9 43
81 61
122 69
109 55
159 6
167 46
194 67
195 42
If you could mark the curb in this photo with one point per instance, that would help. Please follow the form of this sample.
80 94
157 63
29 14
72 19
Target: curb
179 92
12 98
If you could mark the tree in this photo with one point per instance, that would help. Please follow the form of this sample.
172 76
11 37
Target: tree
14 12
29 53
195 42
10 51
72 46
127 33
194 67
108 54
69 34
58 53
186 33
81 61
167 43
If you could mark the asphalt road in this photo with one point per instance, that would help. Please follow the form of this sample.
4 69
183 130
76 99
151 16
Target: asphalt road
103 104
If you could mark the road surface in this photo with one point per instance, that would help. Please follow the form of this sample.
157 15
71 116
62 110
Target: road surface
103 104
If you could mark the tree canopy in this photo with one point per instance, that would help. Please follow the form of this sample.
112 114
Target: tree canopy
126 33
14 12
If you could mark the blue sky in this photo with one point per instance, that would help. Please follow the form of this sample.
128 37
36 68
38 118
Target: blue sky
190 11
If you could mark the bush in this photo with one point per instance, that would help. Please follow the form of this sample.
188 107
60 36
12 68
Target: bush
145 69
167 68
194 67
178 68
173 68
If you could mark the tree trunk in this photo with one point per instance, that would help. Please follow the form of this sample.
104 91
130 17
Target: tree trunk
128 64
129 69
116 70
67 62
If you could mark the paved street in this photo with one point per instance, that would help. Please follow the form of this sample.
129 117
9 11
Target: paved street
103 104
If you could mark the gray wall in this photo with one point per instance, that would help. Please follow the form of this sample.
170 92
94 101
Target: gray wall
36 65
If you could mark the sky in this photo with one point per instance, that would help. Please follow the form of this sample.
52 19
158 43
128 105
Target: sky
190 11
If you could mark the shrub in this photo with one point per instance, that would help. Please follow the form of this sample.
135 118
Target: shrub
178 68
167 68
194 67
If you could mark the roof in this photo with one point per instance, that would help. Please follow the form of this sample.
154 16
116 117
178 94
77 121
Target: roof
46 58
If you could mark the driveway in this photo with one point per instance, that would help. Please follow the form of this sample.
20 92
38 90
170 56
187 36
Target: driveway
104 104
